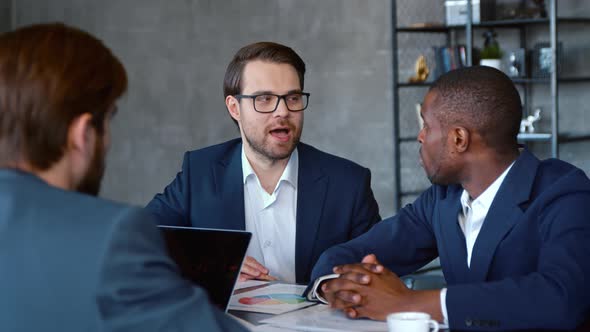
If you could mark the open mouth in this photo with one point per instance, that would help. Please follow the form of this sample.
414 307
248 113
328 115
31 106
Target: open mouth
282 134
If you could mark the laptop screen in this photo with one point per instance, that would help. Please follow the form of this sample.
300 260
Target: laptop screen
210 258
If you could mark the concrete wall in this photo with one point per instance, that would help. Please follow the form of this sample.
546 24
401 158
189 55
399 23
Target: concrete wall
5 15
176 52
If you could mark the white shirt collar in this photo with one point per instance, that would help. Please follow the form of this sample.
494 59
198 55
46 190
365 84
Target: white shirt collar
487 197
290 174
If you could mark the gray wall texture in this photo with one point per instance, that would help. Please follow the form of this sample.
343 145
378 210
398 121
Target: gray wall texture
176 52
5 15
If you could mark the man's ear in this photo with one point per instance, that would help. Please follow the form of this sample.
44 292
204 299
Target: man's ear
233 107
82 134
461 138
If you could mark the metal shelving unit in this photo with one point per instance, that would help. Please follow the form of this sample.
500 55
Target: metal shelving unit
553 137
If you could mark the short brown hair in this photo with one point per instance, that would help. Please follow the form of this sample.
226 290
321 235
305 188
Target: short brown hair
49 75
264 51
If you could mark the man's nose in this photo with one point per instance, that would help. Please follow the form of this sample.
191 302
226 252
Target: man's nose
282 109
420 137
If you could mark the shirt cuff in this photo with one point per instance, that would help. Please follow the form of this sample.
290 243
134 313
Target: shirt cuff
443 306
314 294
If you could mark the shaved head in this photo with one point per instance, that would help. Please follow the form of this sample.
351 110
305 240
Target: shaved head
481 99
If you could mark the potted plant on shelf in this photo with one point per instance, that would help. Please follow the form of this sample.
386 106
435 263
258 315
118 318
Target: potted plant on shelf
491 54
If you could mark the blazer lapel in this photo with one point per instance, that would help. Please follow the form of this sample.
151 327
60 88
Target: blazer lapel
229 185
503 214
452 250
312 186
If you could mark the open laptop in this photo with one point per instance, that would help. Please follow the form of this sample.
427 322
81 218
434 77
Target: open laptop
211 258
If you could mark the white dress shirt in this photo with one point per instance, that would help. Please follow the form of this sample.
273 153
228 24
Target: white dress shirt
271 219
471 218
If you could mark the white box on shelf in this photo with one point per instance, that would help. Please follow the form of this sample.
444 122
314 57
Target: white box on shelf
456 11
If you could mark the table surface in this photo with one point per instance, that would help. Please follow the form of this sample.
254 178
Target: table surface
255 318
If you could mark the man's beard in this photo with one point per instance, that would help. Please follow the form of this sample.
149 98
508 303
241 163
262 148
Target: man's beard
267 152
90 183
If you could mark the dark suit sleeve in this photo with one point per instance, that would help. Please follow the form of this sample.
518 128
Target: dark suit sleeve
555 296
171 206
403 243
366 210
140 288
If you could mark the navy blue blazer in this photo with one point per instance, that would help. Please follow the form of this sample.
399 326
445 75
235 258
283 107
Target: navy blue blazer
335 202
73 262
531 260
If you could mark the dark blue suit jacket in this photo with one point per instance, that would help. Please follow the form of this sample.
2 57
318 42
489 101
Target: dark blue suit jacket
334 200
530 263
72 262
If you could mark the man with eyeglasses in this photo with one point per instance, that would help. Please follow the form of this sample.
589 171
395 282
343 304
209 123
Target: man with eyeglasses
296 200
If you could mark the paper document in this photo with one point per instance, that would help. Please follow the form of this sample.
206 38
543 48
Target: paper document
249 283
322 318
325 319
272 299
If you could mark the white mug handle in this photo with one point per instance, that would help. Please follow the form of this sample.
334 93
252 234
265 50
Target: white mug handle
434 325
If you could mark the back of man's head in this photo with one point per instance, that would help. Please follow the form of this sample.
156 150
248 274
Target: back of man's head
49 75
482 99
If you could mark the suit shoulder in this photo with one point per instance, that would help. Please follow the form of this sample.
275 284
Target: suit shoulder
217 149
110 220
214 152
555 170
66 209
556 175
97 206
331 163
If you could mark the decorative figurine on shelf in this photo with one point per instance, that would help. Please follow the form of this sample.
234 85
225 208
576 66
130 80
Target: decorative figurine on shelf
491 54
516 64
422 71
513 65
527 124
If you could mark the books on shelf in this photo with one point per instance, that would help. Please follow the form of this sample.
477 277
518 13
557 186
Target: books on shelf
448 58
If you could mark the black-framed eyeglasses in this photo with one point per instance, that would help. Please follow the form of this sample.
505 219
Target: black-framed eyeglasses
268 102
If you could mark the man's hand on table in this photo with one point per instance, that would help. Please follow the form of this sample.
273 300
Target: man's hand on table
252 269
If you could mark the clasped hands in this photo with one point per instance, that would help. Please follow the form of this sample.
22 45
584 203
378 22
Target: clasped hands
368 289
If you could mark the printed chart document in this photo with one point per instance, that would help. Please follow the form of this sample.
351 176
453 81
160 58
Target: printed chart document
322 318
249 283
272 299
325 319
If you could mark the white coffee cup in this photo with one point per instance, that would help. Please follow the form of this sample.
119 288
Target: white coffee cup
411 322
